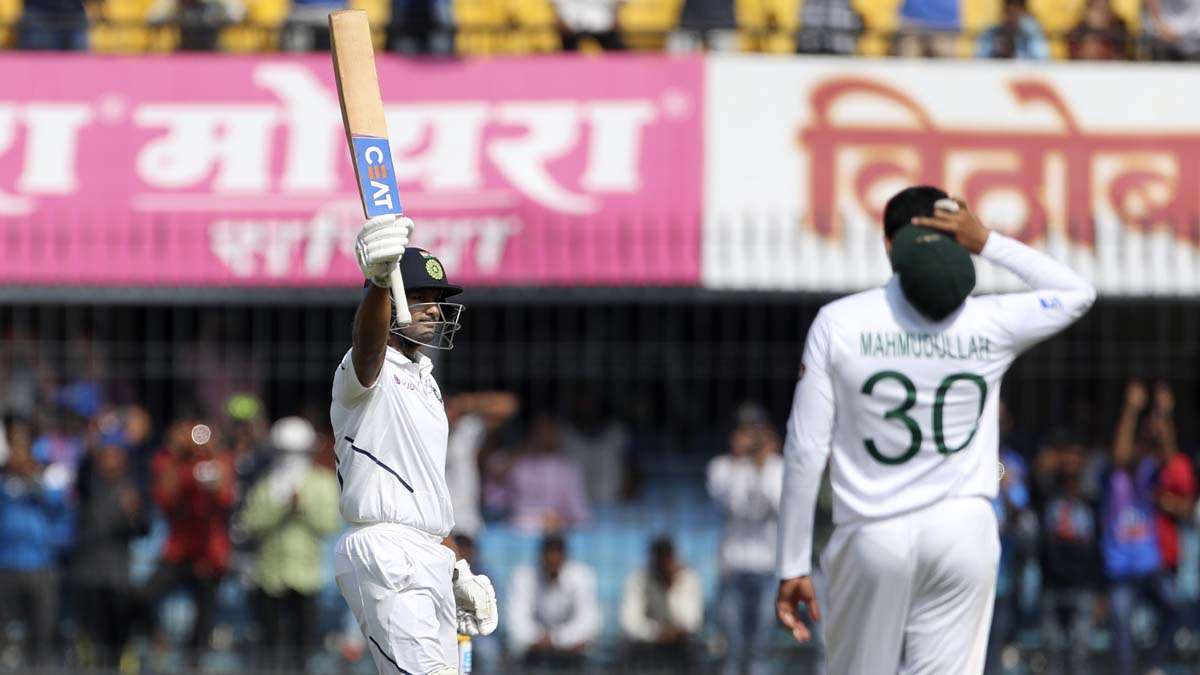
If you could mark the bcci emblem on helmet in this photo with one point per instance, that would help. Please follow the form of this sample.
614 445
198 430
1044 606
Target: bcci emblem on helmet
434 269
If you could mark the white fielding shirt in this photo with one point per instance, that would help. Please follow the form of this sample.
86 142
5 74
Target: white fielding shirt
908 407
749 495
391 445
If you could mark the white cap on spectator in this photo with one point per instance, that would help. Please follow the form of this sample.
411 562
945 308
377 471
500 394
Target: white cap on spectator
293 434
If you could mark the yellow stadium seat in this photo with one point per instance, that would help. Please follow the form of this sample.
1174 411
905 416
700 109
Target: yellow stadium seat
10 14
767 25
645 23
259 30
880 18
379 13
121 27
478 24
533 27
1057 17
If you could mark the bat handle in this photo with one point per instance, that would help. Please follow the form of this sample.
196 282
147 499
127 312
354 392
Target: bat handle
400 298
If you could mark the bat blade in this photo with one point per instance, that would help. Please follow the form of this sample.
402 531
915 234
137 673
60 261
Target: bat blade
366 126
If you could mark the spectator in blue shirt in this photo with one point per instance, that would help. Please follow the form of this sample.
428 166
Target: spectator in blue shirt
1129 540
35 524
1017 36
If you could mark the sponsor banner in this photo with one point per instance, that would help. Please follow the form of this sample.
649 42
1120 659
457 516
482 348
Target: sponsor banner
219 170
1098 164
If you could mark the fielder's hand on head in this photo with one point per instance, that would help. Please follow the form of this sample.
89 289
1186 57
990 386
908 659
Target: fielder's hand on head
476 599
953 217
379 245
792 592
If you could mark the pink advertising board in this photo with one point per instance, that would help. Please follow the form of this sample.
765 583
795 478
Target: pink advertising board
233 171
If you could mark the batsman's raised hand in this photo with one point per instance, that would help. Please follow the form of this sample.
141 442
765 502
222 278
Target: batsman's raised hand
953 217
379 245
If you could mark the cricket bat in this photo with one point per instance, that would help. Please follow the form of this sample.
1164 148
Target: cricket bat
366 127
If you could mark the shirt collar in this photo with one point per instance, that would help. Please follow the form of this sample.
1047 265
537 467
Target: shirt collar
397 358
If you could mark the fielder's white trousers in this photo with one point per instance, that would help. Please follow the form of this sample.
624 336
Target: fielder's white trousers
913 594
397 582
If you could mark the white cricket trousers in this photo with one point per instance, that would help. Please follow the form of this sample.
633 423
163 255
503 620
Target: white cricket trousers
397 582
913 594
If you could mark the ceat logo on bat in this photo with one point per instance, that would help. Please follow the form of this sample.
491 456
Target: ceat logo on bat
373 160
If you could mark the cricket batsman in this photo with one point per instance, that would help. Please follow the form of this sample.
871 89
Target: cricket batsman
901 385
395 566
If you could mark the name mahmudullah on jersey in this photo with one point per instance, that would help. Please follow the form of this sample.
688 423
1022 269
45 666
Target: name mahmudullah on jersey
877 344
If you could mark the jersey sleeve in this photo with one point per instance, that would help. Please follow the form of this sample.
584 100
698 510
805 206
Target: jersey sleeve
347 390
1059 296
806 450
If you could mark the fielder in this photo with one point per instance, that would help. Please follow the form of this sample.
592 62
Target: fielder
902 385
395 566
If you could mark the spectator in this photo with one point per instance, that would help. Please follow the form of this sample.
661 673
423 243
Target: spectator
662 610
110 517
583 20
1176 482
246 430
35 524
1101 35
195 488
419 27
747 483
473 419
930 28
546 489
59 25
290 511
1017 36
1070 557
553 612
1129 541
829 27
1174 26
1018 532
600 445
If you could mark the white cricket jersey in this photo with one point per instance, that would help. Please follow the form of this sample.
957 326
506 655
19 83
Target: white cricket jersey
391 445
908 407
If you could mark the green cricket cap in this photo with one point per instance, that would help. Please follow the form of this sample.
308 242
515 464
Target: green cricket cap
936 272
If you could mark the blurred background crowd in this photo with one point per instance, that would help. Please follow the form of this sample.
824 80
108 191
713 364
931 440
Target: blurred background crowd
193 529
1008 29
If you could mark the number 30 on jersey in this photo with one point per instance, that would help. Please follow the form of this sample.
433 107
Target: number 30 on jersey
900 414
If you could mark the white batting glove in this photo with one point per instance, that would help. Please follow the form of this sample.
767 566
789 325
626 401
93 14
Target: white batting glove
379 245
478 613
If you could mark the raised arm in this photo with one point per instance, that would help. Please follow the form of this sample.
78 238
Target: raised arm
1136 398
371 326
377 249
1059 297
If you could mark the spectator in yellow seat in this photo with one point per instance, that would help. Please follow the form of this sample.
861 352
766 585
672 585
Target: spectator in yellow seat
1101 34
1017 36
1174 26
290 512
662 610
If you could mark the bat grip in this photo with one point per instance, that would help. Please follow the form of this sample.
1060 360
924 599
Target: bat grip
400 298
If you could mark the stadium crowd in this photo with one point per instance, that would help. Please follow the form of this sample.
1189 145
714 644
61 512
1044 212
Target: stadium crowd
1020 29
127 541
